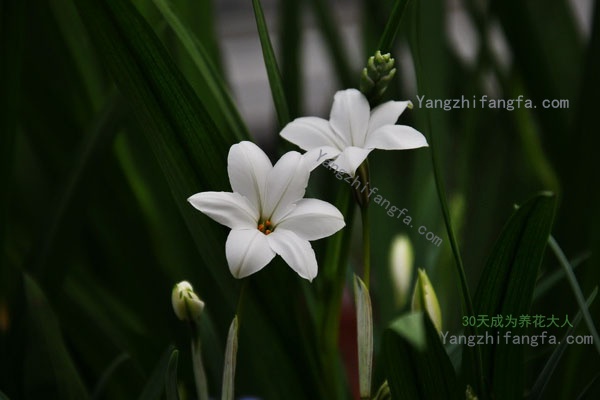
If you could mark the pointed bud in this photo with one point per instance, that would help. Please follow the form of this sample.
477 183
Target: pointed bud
377 75
470 394
186 304
401 268
424 298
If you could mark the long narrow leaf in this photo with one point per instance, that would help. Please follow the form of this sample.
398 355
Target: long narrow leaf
155 384
364 334
506 287
230 361
386 43
544 378
171 377
283 113
562 259
216 91
417 366
45 330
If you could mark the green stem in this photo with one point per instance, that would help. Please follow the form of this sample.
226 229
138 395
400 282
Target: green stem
199 373
240 304
364 212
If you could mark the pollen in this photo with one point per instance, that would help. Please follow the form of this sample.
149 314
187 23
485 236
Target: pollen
265 227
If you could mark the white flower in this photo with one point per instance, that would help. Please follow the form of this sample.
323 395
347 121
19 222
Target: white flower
267 213
353 131
186 304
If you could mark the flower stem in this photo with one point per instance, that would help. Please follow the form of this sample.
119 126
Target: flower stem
240 303
364 212
199 374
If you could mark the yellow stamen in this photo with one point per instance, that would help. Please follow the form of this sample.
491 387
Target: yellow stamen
267 232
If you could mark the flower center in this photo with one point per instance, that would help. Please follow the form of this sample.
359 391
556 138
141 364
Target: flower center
266 227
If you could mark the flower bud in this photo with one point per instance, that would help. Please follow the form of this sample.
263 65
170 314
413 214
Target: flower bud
186 304
401 268
424 298
377 75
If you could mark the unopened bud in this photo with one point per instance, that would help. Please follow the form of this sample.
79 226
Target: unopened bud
424 298
377 75
401 268
186 304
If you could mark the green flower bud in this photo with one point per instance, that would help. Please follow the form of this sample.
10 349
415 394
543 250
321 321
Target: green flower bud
186 304
377 75
424 298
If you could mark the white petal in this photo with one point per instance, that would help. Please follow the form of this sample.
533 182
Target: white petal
230 209
247 252
312 219
296 252
286 184
396 137
248 167
386 114
310 132
315 157
351 158
350 116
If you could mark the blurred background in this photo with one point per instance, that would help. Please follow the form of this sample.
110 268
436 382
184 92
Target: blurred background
96 230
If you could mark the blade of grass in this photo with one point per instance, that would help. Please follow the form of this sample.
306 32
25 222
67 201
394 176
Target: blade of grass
466 300
171 377
100 387
95 141
585 392
155 384
327 24
544 377
45 329
290 51
277 90
386 43
216 95
506 287
562 259
548 282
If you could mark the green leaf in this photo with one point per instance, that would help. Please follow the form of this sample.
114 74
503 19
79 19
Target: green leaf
562 259
364 330
171 377
230 361
506 287
416 364
155 384
544 378
212 89
95 142
335 45
386 43
283 114
45 332
108 374
189 148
